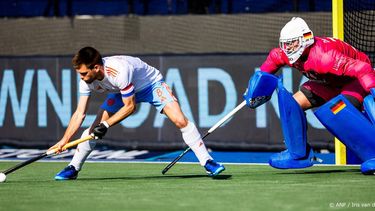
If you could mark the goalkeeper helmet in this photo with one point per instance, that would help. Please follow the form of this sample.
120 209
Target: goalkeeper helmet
295 37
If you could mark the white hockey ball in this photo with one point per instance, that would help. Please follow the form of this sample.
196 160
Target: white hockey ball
3 177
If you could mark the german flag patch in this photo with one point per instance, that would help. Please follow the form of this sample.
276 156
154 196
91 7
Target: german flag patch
307 35
337 107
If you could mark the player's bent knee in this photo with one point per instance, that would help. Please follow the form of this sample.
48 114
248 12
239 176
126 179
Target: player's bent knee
181 122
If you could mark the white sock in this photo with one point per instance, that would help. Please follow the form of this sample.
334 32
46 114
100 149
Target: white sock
194 140
82 152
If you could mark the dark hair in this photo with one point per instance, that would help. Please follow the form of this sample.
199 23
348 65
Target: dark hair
88 56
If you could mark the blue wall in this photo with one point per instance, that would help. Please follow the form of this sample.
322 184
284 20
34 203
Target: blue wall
30 8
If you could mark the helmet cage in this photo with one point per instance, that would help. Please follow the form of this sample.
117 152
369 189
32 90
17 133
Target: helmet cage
304 41
288 45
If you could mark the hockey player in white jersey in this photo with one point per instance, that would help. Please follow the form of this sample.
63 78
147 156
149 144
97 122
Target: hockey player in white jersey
128 81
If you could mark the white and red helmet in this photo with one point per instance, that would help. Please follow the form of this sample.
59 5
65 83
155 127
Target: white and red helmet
295 29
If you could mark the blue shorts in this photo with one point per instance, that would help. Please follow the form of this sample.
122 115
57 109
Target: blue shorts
158 94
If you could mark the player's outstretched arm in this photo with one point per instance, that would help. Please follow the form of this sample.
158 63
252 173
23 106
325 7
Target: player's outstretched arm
75 122
263 82
260 88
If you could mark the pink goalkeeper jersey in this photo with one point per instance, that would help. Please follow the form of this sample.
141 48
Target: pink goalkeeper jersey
328 60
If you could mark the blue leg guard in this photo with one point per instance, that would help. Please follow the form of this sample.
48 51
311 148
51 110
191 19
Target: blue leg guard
369 106
368 167
344 121
293 122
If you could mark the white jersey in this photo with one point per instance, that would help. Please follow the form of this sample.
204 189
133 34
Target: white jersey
124 74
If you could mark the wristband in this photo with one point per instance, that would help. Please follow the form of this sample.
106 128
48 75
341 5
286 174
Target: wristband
105 124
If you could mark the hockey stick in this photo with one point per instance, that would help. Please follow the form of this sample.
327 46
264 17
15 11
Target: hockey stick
218 124
50 152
